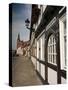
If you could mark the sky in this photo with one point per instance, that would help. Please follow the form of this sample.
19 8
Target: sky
20 12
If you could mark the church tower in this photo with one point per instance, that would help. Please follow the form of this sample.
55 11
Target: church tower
18 37
18 40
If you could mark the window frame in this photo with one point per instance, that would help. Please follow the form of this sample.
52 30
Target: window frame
62 47
51 52
40 51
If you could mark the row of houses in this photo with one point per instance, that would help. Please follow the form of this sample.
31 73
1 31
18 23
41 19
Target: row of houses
22 47
48 43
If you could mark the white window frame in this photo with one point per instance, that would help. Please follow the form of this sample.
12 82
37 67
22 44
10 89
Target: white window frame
42 46
52 50
62 49
40 42
37 49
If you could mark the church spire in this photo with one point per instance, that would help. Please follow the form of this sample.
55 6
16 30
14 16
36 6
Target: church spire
18 36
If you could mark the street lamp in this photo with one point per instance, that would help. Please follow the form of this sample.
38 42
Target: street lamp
27 24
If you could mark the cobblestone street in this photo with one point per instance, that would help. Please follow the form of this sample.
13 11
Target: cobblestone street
23 72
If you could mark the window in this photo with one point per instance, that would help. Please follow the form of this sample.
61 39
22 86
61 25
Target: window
41 47
33 50
52 50
38 49
65 41
62 31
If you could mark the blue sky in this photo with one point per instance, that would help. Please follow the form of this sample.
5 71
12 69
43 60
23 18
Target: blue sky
20 12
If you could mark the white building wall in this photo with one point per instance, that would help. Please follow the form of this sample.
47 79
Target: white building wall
63 81
61 28
37 66
52 76
62 43
41 67
43 71
37 49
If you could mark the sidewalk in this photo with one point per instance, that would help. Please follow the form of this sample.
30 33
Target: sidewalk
23 72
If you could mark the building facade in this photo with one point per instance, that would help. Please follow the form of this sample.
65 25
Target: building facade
48 43
22 47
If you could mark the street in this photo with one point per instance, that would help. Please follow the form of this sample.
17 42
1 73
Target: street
23 72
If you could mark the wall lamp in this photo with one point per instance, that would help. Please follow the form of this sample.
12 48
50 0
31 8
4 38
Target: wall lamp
27 24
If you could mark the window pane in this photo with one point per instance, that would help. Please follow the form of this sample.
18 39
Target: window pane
52 50
65 41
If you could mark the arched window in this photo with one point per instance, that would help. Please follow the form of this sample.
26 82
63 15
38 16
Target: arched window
51 49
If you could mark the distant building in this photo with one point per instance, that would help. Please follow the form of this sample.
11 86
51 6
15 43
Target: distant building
22 47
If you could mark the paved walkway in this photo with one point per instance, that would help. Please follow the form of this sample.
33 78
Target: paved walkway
23 72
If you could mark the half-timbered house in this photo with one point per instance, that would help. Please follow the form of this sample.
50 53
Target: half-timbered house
48 43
